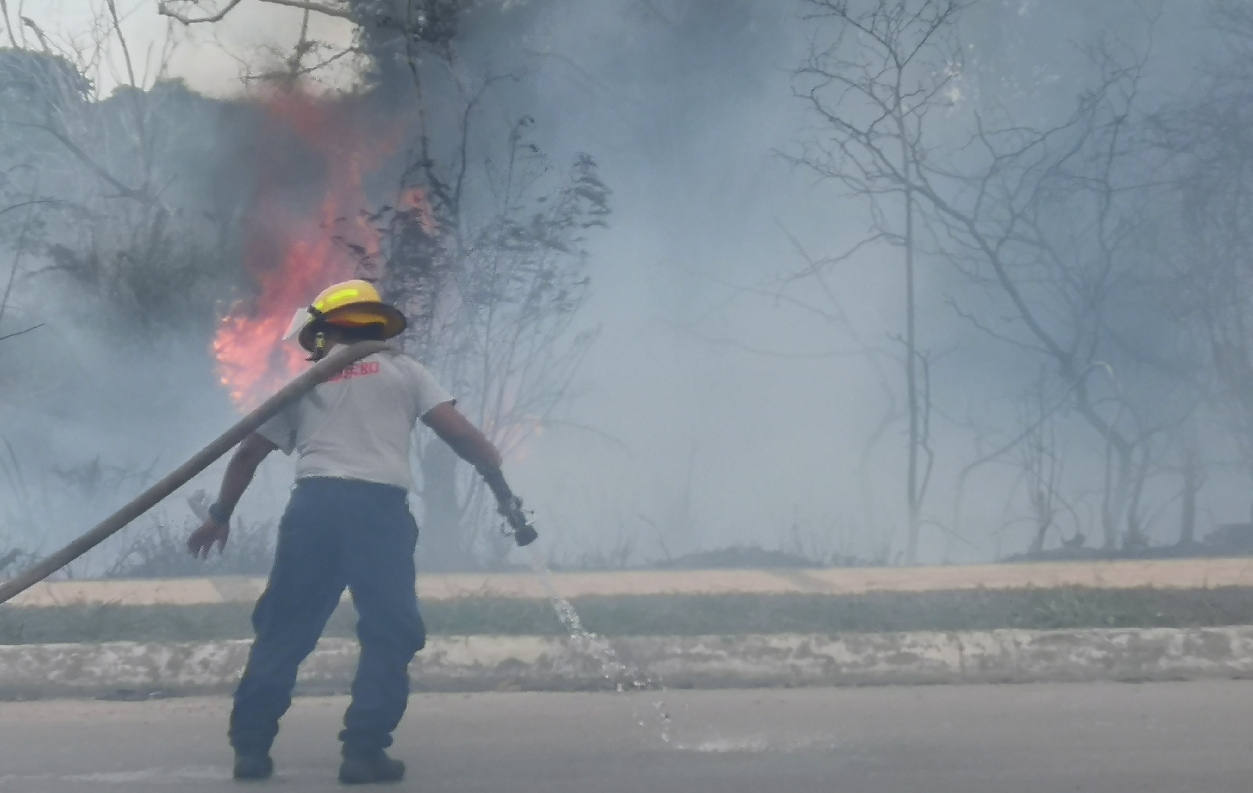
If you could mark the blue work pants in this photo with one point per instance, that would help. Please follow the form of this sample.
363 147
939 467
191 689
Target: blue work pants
335 533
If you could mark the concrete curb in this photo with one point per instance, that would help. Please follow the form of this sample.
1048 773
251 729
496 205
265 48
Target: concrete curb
477 663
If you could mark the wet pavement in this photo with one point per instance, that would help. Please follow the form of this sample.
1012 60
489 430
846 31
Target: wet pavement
1138 738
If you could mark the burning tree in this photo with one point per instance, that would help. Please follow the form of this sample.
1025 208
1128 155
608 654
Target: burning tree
307 227
496 297
469 228
492 262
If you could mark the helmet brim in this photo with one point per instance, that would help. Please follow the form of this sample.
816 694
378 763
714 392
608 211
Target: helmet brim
394 322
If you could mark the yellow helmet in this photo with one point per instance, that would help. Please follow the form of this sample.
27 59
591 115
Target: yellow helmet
351 304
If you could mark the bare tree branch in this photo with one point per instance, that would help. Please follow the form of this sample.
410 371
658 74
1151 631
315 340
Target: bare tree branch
166 8
43 39
8 24
21 332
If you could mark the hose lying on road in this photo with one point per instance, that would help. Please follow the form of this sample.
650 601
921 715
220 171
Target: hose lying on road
323 370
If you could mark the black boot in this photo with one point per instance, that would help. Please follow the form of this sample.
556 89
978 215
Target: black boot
253 766
366 767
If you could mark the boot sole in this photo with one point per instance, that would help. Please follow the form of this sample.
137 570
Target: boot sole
254 775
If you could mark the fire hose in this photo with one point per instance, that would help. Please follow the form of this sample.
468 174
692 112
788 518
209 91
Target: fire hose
323 370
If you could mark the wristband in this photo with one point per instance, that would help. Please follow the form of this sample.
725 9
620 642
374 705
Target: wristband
217 515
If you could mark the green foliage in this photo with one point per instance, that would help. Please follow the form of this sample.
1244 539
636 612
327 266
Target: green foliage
134 214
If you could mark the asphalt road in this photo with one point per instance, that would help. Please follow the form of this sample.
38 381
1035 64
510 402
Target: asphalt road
1102 738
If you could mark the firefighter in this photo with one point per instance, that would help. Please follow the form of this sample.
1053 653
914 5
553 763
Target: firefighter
347 524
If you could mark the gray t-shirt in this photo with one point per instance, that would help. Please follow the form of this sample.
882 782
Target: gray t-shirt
358 424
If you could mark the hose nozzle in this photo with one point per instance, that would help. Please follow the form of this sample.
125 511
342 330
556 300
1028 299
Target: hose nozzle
517 524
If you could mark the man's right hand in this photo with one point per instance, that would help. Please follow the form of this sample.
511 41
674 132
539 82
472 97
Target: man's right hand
204 538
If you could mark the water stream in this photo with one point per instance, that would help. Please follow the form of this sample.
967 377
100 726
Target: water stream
627 677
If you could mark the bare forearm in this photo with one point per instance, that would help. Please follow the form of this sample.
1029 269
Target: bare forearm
474 447
463 437
240 471
476 450
239 474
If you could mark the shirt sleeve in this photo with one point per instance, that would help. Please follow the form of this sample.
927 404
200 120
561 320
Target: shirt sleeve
426 391
280 431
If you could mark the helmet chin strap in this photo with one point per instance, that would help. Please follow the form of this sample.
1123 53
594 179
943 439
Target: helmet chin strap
319 346
319 339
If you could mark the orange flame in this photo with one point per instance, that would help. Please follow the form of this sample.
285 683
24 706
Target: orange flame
294 252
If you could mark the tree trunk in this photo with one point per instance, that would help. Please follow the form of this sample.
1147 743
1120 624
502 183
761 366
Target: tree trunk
913 496
1136 536
911 385
1187 515
1117 491
1042 530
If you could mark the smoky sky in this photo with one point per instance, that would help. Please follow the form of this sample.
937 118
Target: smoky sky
709 413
